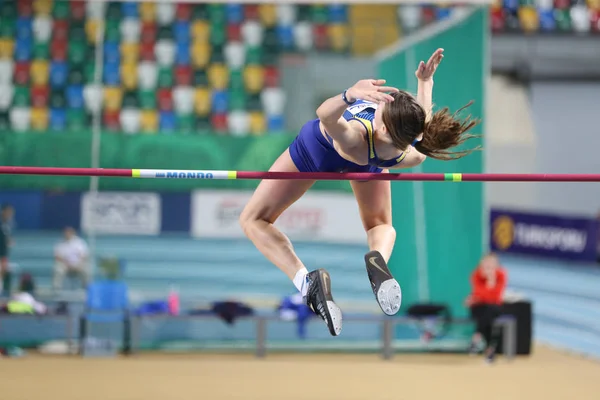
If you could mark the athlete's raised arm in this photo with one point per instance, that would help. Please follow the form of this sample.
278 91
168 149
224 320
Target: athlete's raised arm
331 111
424 75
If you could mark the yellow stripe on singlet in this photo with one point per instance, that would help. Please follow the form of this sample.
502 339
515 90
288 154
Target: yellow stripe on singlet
369 126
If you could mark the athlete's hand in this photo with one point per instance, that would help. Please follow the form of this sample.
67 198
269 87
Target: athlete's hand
425 71
371 90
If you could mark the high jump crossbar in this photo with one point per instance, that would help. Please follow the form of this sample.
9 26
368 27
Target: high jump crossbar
330 176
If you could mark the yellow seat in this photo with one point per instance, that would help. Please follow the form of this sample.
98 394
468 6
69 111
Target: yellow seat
530 19
129 75
200 54
254 78
39 72
113 97
91 29
218 76
7 47
42 7
130 52
268 14
339 37
202 101
148 121
39 118
200 31
258 124
147 11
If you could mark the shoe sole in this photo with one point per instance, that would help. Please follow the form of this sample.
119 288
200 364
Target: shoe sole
386 289
331 314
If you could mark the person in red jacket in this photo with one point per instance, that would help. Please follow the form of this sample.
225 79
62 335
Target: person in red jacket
488 282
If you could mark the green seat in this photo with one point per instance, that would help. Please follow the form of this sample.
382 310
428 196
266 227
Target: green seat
254 55
112 32
200 78
237 100
57 99
77 119
147 99
113 11
217 13
89 70
218 34
7 27
90 54
165 32
304 12
200 12
21 96
60 10
319 14
270 58
41 50
8 10
76 52
236 80
185 123
254 103
165 77
77 31
4 121
130 100
216 55
203 126
76 75
563 20
270 40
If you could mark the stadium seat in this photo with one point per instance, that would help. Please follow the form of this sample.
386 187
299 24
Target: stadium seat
528 18
91 30
235 55
164 99
94 9
89 72
200 54
42 28
7 46
24 28
251 12
21 96
218 122
285 37
216 55
183 12
129 75
338 37
111 52
78 120
273 101
303 36
7 30
236 80
130 30
58 119
20 118
114 11
238 123
4 121
165 77
60 30
25 8
218 76
185 123
595 19
148 121
320 37
167 121
75 75
202 125
254 55
7 68
254 78
319 14
218 34
41 50
267 14
182 53
130 100
220 101
58 50
286 14
497 21
21 73
130 52
112 31
200 31
111 119
200 78
270 40
183 99
23 49
130 120
40 96
257 123
58 99
165 13
129 9
77 52
580 18
181 31
74 95
147 51
234 13
39 118
113 97
42 7
275 123
254 102
77 31
146 99
202 101
216 13
271 76
147 11
237 100
165 52
76 9
7 90
252 33
337 13
234 33
147 75
111 74
148 32
183 75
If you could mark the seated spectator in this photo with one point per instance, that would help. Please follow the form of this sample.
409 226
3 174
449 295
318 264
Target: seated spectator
488 281
71 258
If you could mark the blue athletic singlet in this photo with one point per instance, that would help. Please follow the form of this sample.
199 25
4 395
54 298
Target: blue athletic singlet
312 152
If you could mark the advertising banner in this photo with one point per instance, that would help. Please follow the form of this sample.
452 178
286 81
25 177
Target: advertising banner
121 213
320 216
544 235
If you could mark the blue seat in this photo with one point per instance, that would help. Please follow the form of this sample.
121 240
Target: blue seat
285 36
111 75
58 119
234 13
275 123
24 27
23 49
75 96
59 71
167 121
182 53
443 13
129 9
181 31
547 20
112 52
337 13
220 101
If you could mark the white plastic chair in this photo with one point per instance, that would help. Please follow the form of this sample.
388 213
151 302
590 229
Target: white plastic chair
165 13
252 33
238 123
130 29
303 35
165 52
20 118
95 9
183 99
7 67
147 75
93 96
286 14
235 55
42 28
130 120
7 91
273 101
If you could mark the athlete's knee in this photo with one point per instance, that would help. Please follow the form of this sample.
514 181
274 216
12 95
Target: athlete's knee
249 217
374 220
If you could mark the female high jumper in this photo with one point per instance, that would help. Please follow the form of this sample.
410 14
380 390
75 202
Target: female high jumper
367 128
